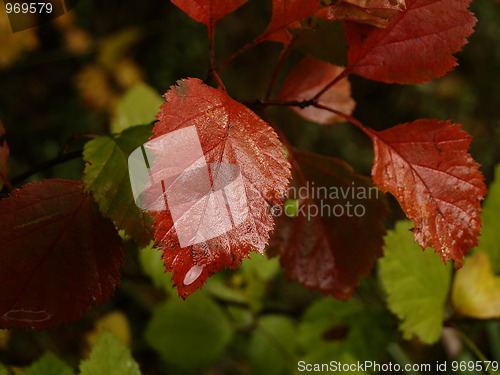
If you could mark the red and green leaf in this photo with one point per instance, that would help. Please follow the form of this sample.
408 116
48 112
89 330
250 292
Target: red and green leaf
229 133
59 255
417 46
324 242
307 79
425 165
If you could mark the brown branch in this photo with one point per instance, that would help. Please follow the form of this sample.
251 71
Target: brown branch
311 102
334 81
285 52
63 156
241 51
73 138
212 71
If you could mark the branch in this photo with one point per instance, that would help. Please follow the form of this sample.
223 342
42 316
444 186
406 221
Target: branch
212 71
311 102
62 157
343 74
347 117
241 51
59 159
73 138
285 52
473 348
281 103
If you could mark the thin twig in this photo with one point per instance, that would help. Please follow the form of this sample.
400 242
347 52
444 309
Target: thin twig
276 343
285 52
212 71
347 117
277 102
334 81
312 102
241 51
473 348
73 138
59 159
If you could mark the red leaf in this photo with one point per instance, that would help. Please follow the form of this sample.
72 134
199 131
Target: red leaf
307 79
230 137
417 45
58 255
425 165
208 11
334 236
286 15
4 156
373 12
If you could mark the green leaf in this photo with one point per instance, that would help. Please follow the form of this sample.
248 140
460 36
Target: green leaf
106 176
188 334
344 329
272 346
221 288
291 207
324 314
260 266
490 235
417 284
109 357
257 271
152 265
138 106
48 364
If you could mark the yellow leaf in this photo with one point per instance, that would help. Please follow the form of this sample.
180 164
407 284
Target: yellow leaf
13 45
116 322
476 290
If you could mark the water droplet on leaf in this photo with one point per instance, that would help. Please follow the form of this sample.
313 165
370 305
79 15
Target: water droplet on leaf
193 274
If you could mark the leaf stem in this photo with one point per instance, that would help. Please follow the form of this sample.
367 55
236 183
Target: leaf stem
63 156
400 356
73 138
59 159
285 52
275 342
235 55
473 348
212 71
312 102
347 117
493 331
291 150
332 83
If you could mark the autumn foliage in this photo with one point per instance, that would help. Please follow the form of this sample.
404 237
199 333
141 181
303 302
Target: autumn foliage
61 226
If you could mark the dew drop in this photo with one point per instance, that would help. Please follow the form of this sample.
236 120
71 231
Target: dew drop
28 316
193 274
